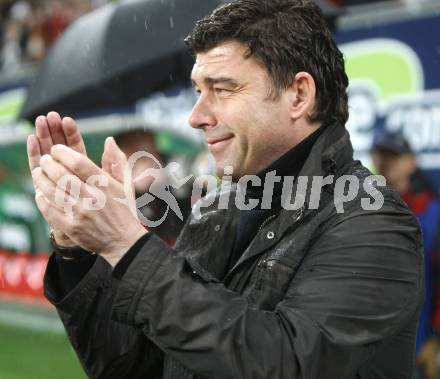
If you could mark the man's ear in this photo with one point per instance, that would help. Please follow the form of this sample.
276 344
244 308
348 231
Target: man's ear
412 163
303 95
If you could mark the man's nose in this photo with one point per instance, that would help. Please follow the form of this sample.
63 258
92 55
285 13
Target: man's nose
202 115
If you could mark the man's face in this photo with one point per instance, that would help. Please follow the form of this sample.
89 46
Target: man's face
396 168
244 127
140 141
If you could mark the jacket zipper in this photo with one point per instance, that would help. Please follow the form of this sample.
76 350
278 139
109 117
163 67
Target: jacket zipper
259 230
280 266
263 224
268 264
266 221
274 216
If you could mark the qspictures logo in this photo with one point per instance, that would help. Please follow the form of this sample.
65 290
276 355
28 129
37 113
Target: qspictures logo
296 192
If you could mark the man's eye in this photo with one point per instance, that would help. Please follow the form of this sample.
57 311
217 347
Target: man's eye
221 91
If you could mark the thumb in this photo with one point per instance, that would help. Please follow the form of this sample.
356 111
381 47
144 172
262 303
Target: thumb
115 163
113 159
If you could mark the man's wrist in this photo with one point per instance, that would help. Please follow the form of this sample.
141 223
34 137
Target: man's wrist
59 238
124 263
67 250
115 253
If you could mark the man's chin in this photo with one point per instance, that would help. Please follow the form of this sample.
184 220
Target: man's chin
227 171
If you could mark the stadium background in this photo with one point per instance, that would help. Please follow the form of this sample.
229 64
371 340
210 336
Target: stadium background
392 61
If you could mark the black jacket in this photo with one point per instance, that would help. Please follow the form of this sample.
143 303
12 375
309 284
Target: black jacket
316 295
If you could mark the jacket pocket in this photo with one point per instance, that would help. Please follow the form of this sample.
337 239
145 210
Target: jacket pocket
200 271
273 279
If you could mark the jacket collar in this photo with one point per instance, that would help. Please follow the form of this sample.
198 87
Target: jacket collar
288 165
330 155
331 152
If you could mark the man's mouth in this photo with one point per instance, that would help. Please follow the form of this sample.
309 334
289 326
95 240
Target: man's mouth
215 145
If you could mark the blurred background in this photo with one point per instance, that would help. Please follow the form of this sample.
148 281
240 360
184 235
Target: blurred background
121 68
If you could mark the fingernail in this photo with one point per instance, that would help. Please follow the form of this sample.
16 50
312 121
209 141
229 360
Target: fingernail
56 147
45 157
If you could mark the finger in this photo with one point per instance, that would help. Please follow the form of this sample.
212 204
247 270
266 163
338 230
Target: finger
106 160
43 184
114 159
120 169
62 179
64 187
43 134
73 137
76 163
64 194
53 169
118 172
55 128
54 216
33 151
35 173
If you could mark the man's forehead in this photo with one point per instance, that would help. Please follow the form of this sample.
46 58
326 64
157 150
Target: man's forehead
225 51
222 57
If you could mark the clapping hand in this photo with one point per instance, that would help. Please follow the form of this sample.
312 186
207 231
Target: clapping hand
110 228
52 130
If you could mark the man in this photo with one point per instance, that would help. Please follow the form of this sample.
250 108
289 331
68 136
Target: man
271 292
394 159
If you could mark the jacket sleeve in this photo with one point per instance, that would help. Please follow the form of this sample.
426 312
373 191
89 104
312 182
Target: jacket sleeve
360 284
105 348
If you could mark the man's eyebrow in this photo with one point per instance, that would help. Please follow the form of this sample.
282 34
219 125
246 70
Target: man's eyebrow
221 80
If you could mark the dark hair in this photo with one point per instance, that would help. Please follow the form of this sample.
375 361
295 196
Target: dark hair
287 37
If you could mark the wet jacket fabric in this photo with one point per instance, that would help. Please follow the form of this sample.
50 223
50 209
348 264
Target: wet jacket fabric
317 293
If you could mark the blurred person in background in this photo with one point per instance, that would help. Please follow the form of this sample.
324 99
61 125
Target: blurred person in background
133 141
5 6
15 34
29 28
394 159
